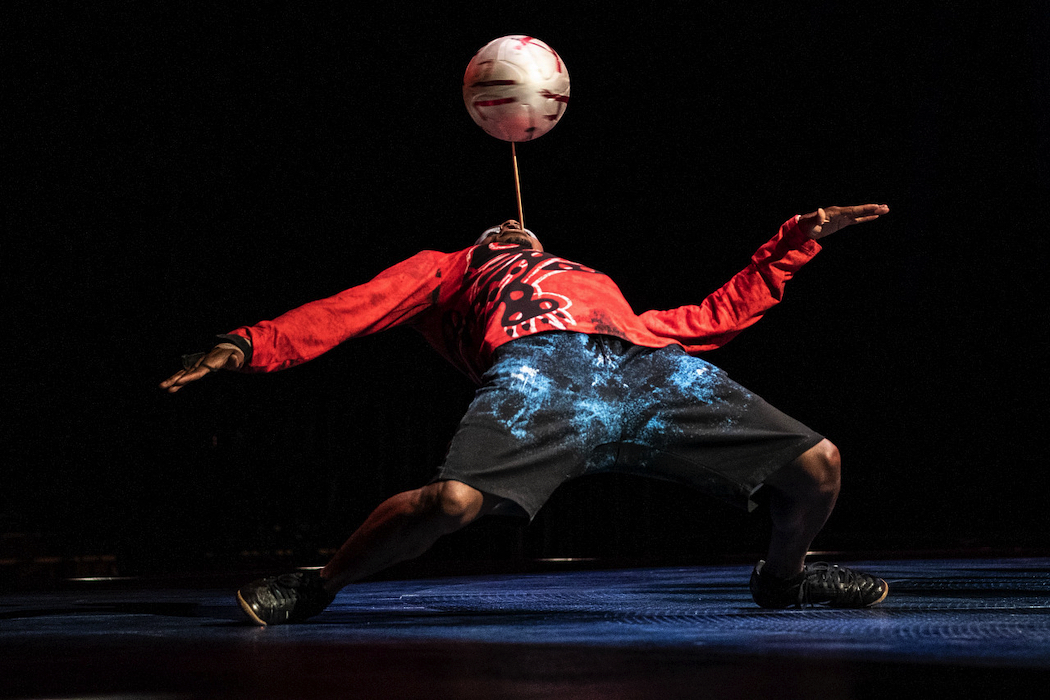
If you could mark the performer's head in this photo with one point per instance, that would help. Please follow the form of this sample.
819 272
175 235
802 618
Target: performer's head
510 231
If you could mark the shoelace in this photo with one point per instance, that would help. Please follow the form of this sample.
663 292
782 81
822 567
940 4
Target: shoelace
824 582
285 588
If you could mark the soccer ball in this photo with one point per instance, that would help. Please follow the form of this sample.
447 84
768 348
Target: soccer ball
516 88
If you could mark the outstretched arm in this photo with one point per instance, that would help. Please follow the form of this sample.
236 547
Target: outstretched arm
754 290
824 222
395 297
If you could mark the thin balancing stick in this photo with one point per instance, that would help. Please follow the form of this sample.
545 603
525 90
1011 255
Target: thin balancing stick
517 183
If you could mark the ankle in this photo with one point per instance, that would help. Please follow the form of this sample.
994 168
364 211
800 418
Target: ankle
327 582
777 571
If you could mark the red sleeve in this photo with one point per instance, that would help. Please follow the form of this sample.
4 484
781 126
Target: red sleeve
742 300
392 298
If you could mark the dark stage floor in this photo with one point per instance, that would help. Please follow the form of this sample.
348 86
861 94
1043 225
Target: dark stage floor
969 628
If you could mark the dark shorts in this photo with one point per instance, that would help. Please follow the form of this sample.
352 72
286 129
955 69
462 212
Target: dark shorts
557 406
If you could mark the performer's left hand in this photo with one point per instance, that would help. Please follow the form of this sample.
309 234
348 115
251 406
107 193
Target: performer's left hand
824 222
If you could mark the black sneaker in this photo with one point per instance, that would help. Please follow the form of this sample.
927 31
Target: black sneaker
819 583
277 600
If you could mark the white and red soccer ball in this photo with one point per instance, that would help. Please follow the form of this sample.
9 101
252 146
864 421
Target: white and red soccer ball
516 88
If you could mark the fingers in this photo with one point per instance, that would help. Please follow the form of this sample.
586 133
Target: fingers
175 381
185 376
860 213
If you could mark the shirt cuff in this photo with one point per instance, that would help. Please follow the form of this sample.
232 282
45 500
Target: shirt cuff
242 343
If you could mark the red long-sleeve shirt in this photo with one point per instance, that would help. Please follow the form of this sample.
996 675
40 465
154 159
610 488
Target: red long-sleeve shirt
468 303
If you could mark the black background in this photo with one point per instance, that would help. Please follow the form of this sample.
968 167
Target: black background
179 169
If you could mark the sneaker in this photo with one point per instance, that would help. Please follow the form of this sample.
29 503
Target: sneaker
286 598
819 583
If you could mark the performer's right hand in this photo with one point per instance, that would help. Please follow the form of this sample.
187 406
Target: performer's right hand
826 221
222 356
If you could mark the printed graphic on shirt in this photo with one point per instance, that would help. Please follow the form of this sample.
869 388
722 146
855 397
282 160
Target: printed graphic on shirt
513 277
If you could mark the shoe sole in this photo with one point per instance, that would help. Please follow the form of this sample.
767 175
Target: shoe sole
885 592
255 618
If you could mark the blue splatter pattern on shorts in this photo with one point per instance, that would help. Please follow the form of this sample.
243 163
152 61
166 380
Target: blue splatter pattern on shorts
555 406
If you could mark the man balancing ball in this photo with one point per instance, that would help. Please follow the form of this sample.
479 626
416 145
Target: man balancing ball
571 381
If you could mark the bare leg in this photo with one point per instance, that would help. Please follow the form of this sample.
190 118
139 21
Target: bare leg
403 527
803 495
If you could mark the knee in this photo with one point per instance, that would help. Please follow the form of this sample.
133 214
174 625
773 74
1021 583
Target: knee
823 463
816 472
830 465
450 501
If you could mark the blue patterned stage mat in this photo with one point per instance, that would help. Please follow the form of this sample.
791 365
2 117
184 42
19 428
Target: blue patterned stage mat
642 626
966 612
